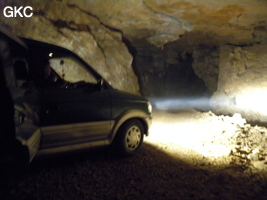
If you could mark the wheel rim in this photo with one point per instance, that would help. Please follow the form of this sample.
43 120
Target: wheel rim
133 138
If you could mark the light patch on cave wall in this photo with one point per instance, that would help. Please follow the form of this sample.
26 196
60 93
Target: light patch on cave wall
242 85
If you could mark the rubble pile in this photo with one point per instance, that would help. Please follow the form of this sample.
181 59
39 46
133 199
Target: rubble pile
250 147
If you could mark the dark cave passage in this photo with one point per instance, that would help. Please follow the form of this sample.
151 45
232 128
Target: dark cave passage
165 73
180 80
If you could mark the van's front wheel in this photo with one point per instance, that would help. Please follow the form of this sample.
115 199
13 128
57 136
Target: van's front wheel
130 137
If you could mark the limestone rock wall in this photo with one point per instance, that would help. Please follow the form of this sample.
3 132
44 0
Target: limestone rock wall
188 22
242 85
206 66
67 26
168 73
152 65
161 32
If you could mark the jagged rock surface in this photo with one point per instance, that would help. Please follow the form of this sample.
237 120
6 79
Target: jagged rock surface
242 82
206 66
57 23
190 23
161 33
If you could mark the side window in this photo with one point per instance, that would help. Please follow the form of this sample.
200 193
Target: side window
71 70
66 71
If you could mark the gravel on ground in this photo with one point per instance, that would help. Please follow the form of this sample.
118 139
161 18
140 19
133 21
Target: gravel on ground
188 155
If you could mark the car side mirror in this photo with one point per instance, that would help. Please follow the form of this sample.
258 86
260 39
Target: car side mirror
95 87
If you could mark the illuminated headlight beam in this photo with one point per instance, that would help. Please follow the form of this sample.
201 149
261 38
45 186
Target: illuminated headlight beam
180 103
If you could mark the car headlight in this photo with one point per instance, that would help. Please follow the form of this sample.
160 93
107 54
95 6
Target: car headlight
149 107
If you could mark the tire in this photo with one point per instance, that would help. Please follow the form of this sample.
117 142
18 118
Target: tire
130 137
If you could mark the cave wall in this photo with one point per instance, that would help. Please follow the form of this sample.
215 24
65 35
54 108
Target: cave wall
226 40
206 66
151 65
242 82
68 26
168 73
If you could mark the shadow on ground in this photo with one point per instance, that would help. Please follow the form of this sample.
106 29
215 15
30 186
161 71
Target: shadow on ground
152 174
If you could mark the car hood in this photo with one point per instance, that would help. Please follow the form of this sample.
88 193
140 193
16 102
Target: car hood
124 96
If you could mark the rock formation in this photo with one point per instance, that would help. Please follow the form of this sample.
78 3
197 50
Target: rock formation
67 26
146 42
242 85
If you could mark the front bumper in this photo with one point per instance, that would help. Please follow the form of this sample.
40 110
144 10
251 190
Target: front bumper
149 123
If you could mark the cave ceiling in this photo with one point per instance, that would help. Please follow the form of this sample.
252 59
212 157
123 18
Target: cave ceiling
185 23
